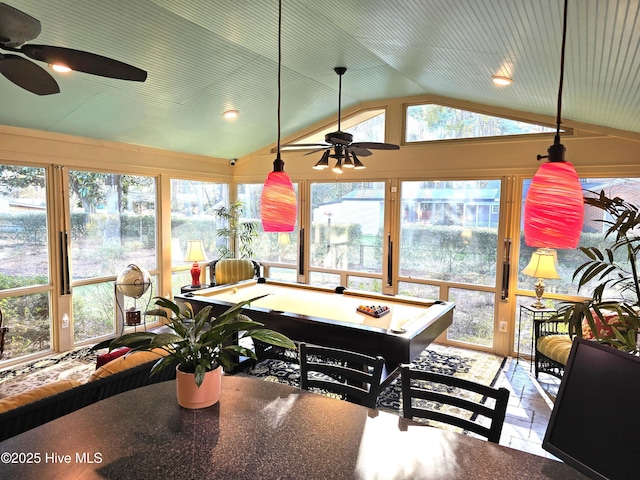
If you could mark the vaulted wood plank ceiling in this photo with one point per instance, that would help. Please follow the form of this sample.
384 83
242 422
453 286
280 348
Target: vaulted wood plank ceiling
204 57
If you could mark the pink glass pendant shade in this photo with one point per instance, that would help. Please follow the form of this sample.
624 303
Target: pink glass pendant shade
554 207
278 206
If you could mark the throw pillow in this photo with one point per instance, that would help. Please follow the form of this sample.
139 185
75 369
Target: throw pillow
112 355
132 359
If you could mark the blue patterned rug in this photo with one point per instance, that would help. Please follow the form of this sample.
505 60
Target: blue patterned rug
477 366
79 364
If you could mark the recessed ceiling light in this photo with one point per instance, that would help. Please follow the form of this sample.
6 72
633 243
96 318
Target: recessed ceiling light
59 68
230 114
501 81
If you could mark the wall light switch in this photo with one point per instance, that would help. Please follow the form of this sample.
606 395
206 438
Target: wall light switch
503 326
65 321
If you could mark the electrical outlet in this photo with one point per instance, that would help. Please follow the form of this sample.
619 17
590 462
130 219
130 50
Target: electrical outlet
65 321
503 326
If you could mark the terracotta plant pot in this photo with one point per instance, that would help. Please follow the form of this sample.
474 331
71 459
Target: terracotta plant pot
190 396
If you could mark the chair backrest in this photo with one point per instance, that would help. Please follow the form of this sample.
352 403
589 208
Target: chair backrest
232 270
421 389
353 376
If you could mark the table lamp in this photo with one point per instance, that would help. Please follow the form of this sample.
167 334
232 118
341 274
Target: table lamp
195 254
542 265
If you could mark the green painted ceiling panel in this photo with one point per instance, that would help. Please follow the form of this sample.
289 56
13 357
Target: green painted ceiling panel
204 56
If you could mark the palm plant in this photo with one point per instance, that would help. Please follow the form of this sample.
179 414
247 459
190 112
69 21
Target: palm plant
198 343
616 269
239 235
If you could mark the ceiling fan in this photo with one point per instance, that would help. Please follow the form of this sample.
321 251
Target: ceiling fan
345 151
17 28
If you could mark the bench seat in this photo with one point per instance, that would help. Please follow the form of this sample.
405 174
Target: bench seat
555 347
552 347
28 410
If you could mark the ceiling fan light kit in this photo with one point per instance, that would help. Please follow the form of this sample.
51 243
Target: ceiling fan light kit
357 164
17 28
554 206
348 162
59 68
323 163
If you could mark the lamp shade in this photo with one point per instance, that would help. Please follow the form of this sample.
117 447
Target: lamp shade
542 265
195 254
554 207
278 206
195 251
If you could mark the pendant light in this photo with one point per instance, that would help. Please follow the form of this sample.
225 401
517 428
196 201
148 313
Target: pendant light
554 207
278 206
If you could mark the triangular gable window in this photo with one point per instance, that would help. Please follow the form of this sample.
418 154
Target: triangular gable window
437 122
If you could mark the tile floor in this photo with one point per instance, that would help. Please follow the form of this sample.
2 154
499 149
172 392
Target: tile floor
530 406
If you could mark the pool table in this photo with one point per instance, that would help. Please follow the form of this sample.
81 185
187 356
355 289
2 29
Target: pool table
330 317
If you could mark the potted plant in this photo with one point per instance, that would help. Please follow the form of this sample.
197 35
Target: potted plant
239 235
613 321
201 346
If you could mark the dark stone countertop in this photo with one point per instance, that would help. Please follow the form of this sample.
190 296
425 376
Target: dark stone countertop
259 430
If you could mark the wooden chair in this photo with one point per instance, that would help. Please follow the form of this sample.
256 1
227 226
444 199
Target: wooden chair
353 376
419 400
232 270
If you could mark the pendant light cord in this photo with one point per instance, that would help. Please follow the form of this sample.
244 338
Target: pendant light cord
564 41
556 151
278 164
279 67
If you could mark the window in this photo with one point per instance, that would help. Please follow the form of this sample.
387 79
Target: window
113 224
449 236
569 260
437 122
449 230
277 251
24 260
347 221
592 235
193 217
365 126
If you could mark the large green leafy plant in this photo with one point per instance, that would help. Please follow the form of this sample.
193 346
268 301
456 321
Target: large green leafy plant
197 342
615 269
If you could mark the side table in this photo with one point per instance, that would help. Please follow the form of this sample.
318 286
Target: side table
535 315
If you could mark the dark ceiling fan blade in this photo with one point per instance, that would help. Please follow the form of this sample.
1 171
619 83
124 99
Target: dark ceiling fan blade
28 75
318 150
376 145
84 62
17 27
362 152
305 145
